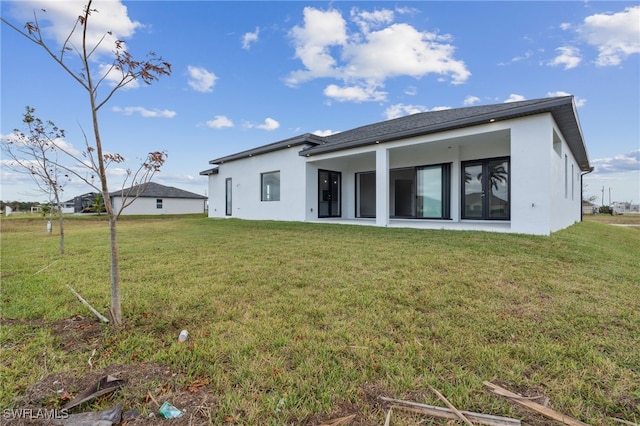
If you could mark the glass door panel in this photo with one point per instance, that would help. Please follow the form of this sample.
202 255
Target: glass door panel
329 195
498 200
429 194
366 194
473 194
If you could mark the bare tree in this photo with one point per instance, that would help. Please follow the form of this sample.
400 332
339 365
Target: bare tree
35 153
128 70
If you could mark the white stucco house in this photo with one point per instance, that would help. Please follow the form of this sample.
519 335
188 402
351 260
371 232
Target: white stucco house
511 167
156 199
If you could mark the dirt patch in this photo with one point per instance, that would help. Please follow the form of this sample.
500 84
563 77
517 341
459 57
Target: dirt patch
147 387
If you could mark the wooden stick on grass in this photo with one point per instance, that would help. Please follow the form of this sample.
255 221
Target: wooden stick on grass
48 266
80 298
450 405
387 421
540 409
446 413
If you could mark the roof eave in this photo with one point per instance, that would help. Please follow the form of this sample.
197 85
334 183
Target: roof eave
306 139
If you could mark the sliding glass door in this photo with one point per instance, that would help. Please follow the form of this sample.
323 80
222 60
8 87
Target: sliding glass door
415 193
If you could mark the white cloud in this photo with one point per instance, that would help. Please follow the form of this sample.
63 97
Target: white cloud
568 56
528 54
411 91
620 163
364 56
269 125
366 20
144 112
108 23
579 102
19 142
313 41
400 110
514 98
57 20
616 36
249 38
324 132
114 77
219 122
354 93
200 79
470 100
400 49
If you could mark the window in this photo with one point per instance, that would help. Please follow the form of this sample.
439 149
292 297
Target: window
486 189
573 182
566 171
227 196
270 183
159 203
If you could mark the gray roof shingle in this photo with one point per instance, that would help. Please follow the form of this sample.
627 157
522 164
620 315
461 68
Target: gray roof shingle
155 190
562 109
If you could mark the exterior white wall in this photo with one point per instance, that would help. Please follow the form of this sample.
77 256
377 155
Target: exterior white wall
531 146
245 177
566 202
148 206
537 195
539 205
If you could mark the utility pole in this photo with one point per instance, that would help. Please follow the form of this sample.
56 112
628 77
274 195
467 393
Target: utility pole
602 195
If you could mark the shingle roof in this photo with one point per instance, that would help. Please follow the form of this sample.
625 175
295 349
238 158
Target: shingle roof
562 109
304 139
155 190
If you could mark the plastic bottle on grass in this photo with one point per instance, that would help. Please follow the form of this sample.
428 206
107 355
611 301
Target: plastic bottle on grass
183 336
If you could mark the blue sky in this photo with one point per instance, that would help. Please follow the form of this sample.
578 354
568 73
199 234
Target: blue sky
251 73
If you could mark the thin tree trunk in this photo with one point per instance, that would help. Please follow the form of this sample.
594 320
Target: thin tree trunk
61 222
116 305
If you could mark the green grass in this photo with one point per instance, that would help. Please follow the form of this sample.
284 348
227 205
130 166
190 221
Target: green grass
312 314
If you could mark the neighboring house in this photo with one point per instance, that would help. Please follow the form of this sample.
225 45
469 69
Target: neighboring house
158 199
83 203
588 207
66 207
511 167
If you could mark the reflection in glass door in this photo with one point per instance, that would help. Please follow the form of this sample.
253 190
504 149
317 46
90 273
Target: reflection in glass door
430 190
329 195
485 192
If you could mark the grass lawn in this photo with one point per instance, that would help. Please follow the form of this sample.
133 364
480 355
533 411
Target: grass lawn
295 323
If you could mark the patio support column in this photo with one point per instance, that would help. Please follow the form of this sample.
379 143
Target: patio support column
382 186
